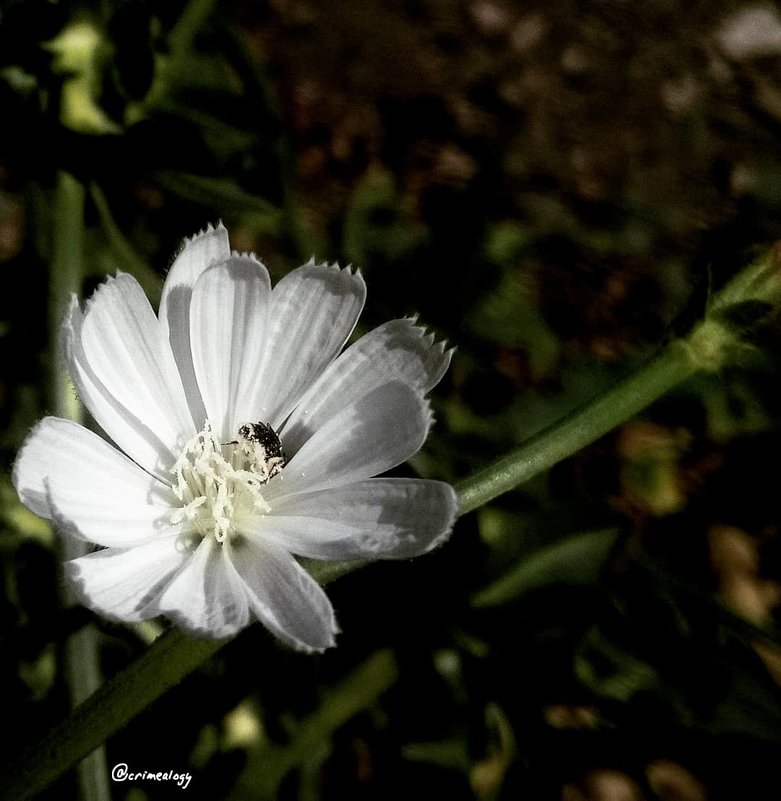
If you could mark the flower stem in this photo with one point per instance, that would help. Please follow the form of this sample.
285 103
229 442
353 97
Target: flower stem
82 668
578 429
711 344
65 277
119 700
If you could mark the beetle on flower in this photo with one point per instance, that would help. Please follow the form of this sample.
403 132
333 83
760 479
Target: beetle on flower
245 436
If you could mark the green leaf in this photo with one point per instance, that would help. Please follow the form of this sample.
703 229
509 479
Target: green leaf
611 671
508 315
217 193
270 763
376 223
750 706
578 560
123 251
450 754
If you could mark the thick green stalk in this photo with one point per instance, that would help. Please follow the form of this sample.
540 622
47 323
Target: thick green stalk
65 277
82 669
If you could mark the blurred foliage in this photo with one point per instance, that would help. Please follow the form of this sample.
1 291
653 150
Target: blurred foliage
554 187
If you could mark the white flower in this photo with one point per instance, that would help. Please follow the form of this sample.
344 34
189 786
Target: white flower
200 508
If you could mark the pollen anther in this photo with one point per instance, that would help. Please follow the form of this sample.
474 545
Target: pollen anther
215 481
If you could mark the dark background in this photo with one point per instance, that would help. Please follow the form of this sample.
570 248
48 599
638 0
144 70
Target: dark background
556 188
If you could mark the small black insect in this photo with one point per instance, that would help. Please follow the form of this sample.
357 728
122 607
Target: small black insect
263 444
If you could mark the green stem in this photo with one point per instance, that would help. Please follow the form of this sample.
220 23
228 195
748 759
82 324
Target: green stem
578 429
112 706
82 668
710 345
64 279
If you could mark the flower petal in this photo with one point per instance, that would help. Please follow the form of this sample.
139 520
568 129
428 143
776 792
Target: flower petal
125 350
382 518
197 255
283 596
397 350
207 596
313 311
131 434
68 473
368 437
228 316
124 584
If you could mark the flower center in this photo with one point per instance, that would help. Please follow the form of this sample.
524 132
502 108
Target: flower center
214 481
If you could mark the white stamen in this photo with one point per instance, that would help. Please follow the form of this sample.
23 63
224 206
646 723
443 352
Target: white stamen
214 481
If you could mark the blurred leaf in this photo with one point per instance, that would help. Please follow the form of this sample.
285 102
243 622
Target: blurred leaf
217 193
509 316
734 408
744 317
39 674
611 671
708 605
578 560
650 474
123 251
20 519
751 706
75 49
511 536
487 775
180 40
19 80
376 223
268 765
581 382
223 131
505 243
450 754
